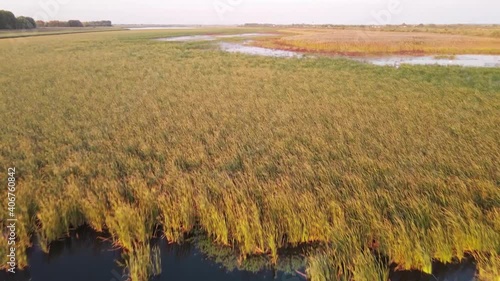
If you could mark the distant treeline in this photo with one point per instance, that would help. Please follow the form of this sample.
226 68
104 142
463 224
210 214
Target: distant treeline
73 23
9 21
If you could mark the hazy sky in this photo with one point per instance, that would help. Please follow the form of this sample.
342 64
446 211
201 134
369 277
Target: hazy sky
268 11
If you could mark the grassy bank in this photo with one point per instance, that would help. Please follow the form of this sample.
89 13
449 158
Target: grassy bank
126 133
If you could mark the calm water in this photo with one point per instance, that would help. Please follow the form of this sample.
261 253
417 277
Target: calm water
251 50
87 257
460 60
244 48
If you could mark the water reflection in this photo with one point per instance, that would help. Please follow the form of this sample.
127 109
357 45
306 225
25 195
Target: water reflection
87 255
83 257
464 271
251 50
458 60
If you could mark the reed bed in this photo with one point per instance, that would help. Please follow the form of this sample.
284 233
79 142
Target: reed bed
144 138
382 41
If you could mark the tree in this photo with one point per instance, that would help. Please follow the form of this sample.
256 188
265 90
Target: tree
75 23
25 23
32 22
7 20
40 23
97 23
56 23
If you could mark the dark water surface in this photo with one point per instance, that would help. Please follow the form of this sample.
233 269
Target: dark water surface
88 257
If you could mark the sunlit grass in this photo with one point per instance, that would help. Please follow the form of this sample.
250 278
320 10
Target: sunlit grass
128 134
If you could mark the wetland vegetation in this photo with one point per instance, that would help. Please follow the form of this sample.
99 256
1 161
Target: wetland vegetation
383 41
144 139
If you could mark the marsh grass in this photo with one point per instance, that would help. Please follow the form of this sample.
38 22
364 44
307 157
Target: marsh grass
143 262
131 135
366 42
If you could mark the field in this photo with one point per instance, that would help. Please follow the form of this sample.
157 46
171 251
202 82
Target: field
386 40
142 138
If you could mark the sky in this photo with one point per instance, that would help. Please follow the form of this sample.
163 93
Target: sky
222 12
